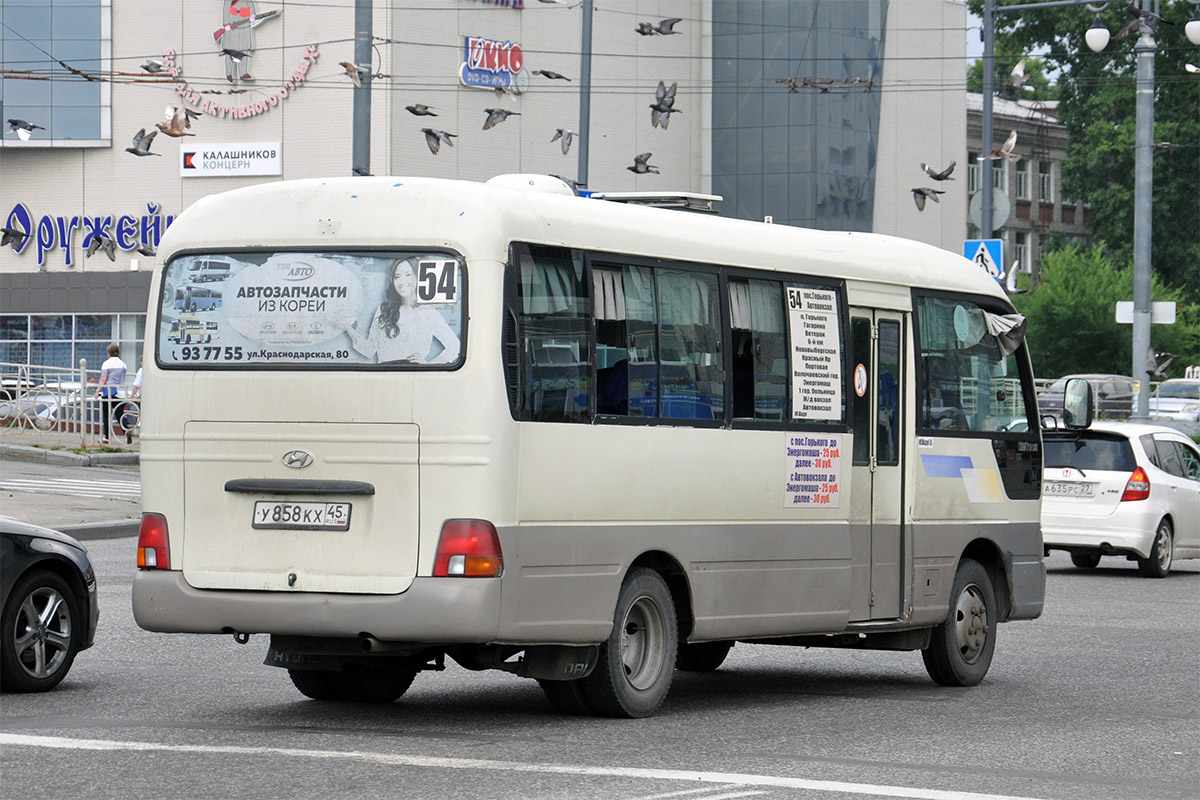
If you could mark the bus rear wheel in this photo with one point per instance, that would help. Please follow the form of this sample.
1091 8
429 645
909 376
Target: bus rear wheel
637 662
354 684
702 657
960 651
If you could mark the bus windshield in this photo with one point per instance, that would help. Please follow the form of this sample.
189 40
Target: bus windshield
399 309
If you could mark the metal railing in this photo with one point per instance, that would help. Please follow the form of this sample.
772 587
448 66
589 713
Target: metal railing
62 400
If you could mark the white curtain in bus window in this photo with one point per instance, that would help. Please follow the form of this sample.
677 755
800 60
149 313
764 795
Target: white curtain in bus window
967 384
815 337
759 353
555 333
626 321
317 309
691 372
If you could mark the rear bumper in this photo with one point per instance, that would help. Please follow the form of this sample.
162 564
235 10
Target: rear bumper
432 610
1101 535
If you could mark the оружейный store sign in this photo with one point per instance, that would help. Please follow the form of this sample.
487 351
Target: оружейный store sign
47 233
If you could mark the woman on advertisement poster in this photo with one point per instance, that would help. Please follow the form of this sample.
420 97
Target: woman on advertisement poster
403 330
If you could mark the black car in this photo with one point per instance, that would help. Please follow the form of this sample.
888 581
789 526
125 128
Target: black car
48 596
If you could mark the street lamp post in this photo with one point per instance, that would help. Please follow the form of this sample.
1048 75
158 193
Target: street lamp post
1097 38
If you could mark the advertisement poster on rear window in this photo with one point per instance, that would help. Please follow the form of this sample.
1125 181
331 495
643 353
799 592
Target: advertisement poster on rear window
313 309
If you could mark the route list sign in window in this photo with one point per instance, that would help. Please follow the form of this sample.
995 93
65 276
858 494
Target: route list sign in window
816 354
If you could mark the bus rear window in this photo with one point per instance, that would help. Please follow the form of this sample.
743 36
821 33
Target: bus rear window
395 309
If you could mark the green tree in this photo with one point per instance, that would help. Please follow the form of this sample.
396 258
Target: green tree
1097 105
1072 320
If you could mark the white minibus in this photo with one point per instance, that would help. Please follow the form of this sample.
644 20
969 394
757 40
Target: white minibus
584 441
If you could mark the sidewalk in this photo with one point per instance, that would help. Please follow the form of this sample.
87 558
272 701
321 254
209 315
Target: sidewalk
82 517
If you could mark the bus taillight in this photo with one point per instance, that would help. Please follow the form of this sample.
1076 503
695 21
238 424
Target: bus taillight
468 548
153 551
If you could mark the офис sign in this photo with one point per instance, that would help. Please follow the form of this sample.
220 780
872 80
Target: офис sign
216 160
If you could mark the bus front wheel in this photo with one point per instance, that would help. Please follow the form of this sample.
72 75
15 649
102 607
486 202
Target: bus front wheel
637 662
960 651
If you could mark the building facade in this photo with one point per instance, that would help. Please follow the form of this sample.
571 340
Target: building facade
810 113
1037 208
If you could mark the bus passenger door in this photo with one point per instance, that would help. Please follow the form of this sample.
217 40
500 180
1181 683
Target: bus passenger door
876 501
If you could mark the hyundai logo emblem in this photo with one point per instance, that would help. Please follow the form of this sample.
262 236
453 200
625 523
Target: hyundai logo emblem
297 459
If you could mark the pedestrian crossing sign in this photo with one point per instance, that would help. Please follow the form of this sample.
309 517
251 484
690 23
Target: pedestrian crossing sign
987 254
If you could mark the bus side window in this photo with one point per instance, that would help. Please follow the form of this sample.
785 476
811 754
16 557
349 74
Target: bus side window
555 335
692 374
759 379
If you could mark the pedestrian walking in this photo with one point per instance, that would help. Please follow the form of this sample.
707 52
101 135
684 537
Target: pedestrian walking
112 377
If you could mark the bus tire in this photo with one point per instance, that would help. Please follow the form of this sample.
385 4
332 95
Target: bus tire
567 697
313 684
1085 559
702 657
1158 563
637 661
960 651
358 684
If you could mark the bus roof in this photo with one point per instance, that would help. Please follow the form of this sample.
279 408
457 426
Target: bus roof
479 220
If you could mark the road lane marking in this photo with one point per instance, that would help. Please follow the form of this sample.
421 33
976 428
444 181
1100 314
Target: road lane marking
131 490
731 779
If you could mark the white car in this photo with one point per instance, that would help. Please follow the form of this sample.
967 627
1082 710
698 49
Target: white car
1177 399
1125 489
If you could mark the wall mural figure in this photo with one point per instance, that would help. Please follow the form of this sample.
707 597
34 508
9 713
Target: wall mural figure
236 37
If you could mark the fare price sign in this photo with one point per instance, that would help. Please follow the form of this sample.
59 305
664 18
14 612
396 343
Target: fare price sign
813 463
816 357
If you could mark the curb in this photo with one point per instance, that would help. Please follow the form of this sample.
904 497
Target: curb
44 455
91 531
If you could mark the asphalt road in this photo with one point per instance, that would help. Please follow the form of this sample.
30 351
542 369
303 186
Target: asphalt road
1097 700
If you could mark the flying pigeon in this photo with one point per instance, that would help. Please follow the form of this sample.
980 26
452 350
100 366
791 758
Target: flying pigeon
944 175
663 105
420 110
22 128
435 137
355 71
1019 77
641 165
177 119
235 56
575 185
1192 68
1010 280
361 172
554 76
153 66
11 236
101 242
919 196
1005 151
1156 369
566 134
663 28
146 250
141 143
496 116
1138 16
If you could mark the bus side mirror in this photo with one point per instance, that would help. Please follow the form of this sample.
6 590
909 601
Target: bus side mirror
1078 406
